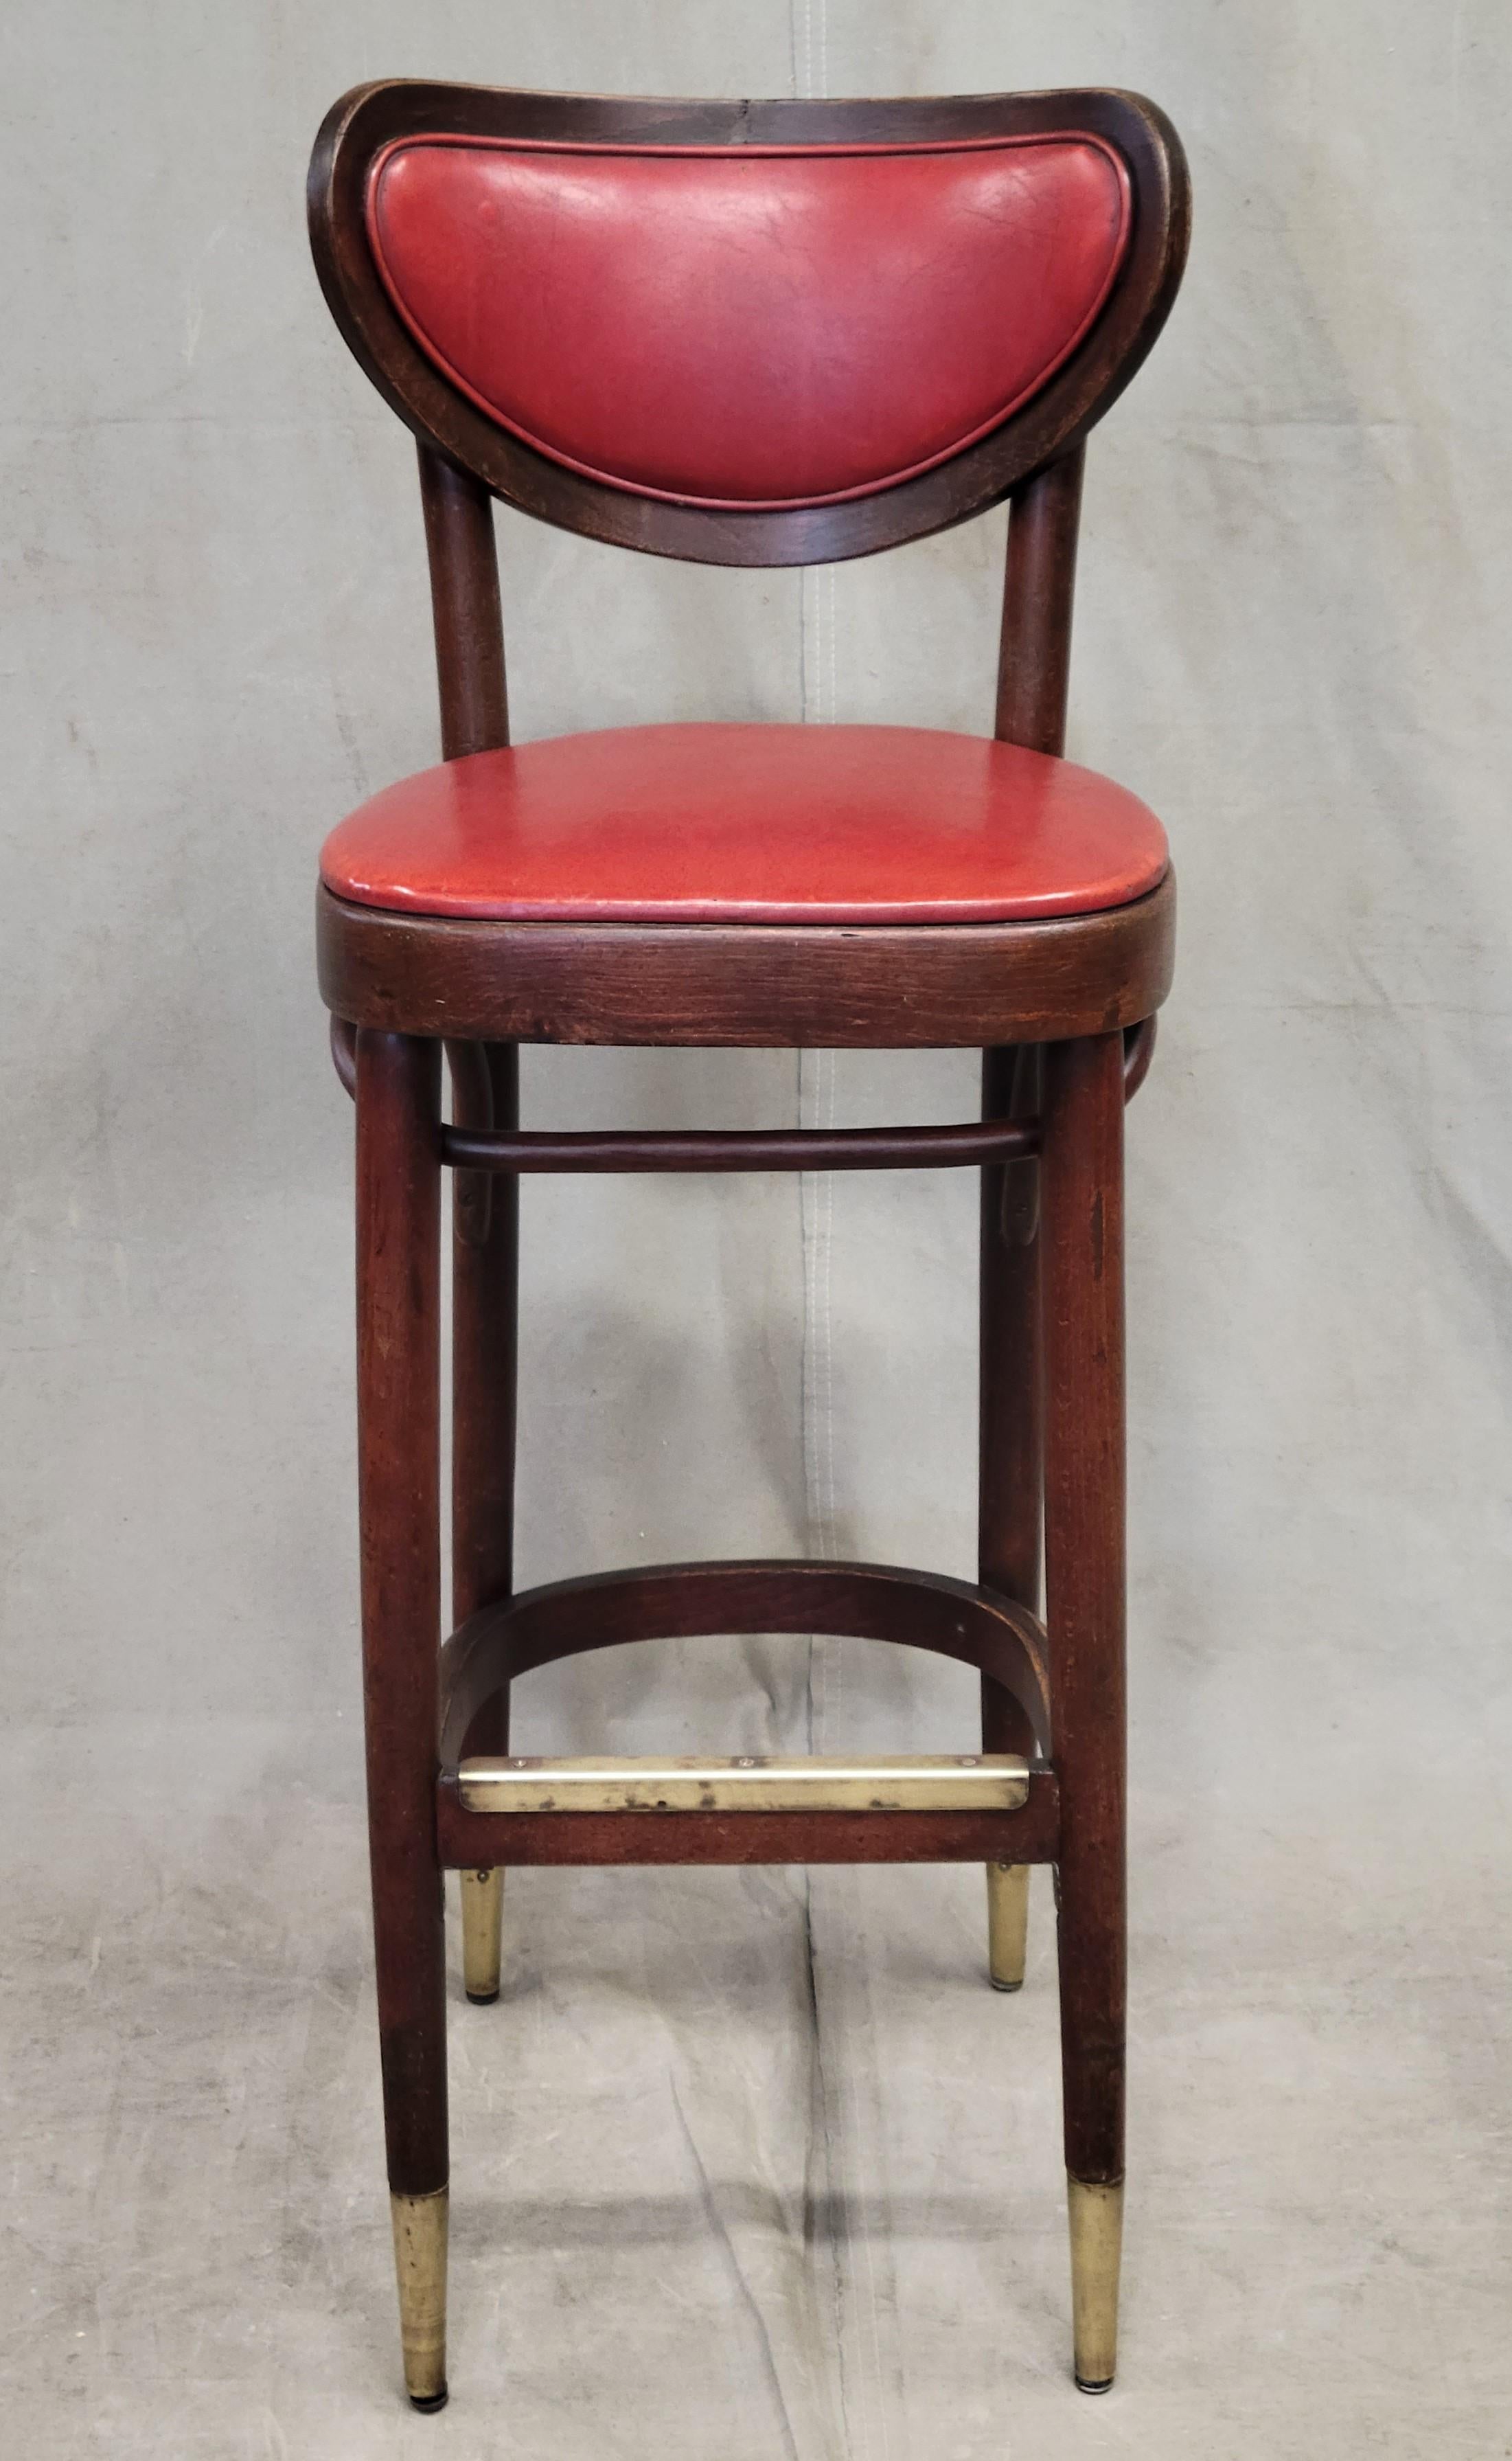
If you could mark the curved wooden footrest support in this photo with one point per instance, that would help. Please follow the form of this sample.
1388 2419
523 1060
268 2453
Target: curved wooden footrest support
969 1808
688 1601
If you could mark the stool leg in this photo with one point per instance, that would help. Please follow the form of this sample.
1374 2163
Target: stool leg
398 1432
1007 1919
1096 2212
485 1276
419 2264
1082 1193
482 1932
1010 1450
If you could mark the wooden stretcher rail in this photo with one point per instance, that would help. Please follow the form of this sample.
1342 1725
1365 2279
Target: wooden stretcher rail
485 1840
967 1142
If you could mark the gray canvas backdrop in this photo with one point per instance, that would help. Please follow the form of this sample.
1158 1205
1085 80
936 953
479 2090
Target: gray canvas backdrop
747 2160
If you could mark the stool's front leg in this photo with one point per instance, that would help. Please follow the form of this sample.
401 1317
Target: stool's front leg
1082 1194
398 1430
1011 1443
485 1271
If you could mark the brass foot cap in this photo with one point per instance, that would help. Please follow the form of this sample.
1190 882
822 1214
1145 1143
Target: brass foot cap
1097 2225
428 2401
1080 2382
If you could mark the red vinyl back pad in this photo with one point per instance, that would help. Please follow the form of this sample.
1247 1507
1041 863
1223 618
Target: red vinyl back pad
747 326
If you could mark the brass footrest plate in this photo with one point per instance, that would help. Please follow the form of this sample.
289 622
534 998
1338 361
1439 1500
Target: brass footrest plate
972 1782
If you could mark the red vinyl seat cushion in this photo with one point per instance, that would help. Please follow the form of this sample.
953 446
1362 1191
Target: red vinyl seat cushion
750 824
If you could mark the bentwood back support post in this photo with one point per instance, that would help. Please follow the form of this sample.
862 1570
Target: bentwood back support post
746 333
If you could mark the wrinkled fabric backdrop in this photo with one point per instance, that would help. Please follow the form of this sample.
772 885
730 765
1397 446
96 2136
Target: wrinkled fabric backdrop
753 2162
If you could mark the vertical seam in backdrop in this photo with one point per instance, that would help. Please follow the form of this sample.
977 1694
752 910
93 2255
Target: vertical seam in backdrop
816 1069
817 1089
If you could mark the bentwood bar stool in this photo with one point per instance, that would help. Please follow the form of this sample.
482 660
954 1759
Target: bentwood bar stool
746 333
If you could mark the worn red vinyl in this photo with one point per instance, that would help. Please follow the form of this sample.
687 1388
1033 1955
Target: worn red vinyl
731 823
749 324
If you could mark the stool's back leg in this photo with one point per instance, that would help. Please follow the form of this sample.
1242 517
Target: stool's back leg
1033 666
1082 1196
475 718
1011 1447
486 1264
398 1431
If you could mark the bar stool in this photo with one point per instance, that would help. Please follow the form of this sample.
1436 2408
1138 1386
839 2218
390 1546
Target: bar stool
746 333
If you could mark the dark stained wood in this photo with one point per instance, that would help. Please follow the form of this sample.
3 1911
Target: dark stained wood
473 1104
475 718
749 985
1034 663
344 1053
477 1839
736 1148
464 605
883 1602
1081 1181
398 1441
1009 1408
485 1272
1138 1050
1032 682
1056 418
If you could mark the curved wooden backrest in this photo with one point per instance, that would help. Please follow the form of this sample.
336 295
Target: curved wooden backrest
772 332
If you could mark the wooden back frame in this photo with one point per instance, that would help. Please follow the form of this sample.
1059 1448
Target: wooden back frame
1055 419
465 459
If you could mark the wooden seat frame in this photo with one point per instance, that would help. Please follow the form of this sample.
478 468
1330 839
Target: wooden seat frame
1063 1012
